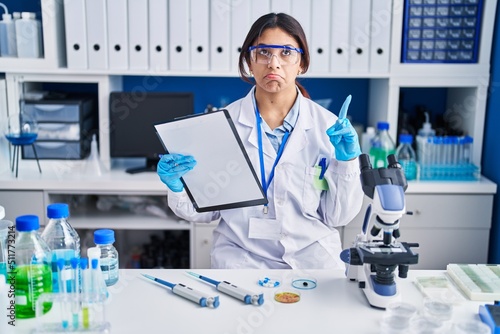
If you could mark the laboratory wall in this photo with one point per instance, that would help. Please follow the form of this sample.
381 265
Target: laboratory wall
491 153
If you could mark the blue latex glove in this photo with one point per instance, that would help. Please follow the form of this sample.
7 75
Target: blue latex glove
343 136
172 167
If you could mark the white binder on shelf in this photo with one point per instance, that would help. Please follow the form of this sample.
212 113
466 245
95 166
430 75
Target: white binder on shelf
178 35
200 35
320 36
240 25
359 54
259 8
138 41
340 36
301 11
281 6
220 24
380 35
117 21
158 35
97 34
76 34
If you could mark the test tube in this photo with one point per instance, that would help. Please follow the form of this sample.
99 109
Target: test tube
75 292
86 280
468 149
62 290
454 153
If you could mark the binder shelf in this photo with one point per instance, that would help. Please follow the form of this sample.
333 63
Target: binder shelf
441 31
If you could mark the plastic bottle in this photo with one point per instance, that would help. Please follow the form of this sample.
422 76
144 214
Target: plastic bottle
93 164
424 143
104 240
8 46
406 156
28 36
366 139
382 145
62 239
33 272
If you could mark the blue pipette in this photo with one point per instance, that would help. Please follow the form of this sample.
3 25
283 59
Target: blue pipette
188 293
232 290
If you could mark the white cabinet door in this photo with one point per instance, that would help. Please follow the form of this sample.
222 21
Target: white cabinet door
202 244
18 203
448 228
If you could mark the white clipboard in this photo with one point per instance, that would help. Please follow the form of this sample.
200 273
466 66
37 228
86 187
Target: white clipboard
223 177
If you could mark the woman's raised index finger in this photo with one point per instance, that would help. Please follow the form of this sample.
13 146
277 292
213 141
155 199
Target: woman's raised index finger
345 106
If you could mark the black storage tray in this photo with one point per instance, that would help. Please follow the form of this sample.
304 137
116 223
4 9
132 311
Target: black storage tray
60 110
58 150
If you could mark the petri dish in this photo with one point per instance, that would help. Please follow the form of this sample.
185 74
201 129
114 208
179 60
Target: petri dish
437 309
304 283
471 326
269 282
287 296
401 309
422 324
394 324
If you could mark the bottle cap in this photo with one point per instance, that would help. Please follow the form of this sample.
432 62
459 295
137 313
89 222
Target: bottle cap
27 15
370 130
383 126
2 212
27 223
102 237
468 140
84 263
58 210
405 138
6 17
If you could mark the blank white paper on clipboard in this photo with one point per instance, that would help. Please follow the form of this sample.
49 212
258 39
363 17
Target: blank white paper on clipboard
223 177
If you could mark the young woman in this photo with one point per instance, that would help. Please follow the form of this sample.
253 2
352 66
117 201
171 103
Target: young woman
305 156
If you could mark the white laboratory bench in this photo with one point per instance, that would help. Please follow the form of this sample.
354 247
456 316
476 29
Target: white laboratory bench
336 305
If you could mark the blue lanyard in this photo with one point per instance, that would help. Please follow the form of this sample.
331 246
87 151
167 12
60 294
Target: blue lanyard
265 184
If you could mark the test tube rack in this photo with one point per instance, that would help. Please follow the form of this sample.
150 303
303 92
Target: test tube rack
446 158
71 312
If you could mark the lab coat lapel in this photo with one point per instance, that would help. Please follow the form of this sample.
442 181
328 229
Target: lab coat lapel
247 118
298 139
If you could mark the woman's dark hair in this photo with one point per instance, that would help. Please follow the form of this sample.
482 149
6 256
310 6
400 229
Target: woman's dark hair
272 20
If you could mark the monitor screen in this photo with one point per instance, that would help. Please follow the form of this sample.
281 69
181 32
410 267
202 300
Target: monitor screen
132 116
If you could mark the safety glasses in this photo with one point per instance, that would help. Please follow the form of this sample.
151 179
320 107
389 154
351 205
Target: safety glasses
263 53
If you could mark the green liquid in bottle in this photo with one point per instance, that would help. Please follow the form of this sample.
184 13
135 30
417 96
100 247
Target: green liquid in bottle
378 156
31 282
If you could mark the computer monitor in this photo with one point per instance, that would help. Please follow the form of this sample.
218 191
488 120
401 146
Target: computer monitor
132 116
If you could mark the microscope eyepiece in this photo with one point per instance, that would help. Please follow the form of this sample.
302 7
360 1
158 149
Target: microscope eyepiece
364 162
392 162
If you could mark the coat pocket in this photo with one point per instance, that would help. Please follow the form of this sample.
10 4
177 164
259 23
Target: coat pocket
311 193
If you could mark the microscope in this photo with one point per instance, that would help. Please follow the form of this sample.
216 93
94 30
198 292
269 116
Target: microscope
374 257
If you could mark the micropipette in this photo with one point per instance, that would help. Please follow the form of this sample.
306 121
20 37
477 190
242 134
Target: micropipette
246 296
188 293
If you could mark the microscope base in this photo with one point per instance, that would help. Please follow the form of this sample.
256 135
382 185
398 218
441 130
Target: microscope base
375 294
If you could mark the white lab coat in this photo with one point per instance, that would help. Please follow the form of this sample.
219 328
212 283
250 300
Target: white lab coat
301 231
